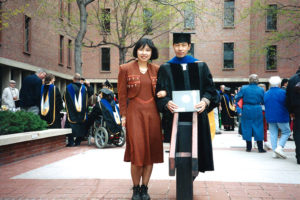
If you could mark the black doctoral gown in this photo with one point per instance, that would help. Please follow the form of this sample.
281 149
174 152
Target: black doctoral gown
171 78
53 117
76 119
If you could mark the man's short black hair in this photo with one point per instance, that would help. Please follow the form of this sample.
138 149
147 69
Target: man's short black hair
142 43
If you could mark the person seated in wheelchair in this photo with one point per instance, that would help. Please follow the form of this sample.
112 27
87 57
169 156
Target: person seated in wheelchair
108 109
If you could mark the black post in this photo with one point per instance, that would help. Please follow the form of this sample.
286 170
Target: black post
184 177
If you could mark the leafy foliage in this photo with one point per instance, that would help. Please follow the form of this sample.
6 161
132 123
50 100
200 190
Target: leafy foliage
21 121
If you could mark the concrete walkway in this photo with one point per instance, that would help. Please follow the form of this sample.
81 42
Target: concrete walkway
86 172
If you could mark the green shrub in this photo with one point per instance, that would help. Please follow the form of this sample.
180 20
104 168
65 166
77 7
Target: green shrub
20 121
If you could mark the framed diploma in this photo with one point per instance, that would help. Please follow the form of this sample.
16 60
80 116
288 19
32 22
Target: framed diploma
186 100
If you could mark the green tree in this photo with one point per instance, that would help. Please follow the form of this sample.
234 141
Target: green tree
282 23
6 14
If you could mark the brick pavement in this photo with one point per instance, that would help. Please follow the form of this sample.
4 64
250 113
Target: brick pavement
121 188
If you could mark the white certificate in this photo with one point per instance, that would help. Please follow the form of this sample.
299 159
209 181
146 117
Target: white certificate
186 100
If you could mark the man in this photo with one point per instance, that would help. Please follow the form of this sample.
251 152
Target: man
184 72
31 91
284 83
293 105
10 95
76 98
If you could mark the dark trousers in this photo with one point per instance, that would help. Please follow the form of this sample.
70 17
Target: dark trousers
259 145
71 140
297 134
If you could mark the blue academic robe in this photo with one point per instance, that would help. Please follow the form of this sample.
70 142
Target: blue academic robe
252 116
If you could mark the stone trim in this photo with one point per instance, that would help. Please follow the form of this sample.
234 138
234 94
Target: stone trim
34 135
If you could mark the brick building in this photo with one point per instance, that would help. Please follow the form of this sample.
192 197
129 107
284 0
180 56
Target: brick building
31 42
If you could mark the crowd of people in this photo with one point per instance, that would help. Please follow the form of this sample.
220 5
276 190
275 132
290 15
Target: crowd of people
145 91
257 110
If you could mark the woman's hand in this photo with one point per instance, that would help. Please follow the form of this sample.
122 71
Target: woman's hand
200 107
161 94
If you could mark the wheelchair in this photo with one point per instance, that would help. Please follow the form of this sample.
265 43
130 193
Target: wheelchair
103 137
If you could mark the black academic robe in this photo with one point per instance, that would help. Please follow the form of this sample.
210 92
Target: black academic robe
53 117
171 78
76 120
227 114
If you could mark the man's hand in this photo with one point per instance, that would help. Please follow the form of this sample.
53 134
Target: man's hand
161 94
200 107
171 106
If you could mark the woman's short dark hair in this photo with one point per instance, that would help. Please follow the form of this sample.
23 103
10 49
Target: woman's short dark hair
142 43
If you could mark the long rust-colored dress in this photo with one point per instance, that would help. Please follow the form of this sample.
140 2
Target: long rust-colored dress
143 127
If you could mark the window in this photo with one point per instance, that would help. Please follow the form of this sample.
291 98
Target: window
69 53
105 59
27 34
61 9
272 17
272 57
147 21
228 55
105 20
61 50
69 11
228 13
189 16
191 51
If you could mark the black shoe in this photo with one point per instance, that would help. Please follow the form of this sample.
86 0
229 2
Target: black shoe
144 193
261 151
136 193
218 132
248 150
167 151
70 145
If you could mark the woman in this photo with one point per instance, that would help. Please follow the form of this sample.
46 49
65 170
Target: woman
252 116
51 103
136 87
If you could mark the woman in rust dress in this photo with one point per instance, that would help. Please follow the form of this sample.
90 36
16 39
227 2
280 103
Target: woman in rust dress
136 88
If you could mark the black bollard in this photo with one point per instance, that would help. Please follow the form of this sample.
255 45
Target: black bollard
184 177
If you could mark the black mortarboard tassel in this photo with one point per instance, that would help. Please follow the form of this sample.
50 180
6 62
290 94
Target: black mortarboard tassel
181 38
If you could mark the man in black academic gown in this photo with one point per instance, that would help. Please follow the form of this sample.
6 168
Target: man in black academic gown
184 72
76 99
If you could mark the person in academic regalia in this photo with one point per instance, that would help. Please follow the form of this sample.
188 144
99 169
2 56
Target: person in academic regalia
228 110
184 72
51 103
136 87
76 99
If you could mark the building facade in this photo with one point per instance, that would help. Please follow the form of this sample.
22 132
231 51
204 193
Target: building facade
223 40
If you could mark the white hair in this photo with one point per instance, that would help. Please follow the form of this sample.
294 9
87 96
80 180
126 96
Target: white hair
275 81
253 78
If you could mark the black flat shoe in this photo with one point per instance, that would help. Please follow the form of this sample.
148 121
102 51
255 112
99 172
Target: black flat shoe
248 150
144 193
70 145
262 151
136 193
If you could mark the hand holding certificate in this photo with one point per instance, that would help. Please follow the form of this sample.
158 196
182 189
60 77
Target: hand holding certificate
187 101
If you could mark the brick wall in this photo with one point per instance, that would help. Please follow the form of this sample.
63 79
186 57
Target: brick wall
18 151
